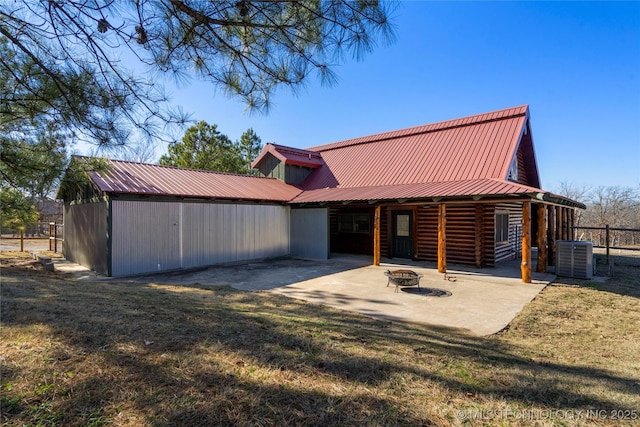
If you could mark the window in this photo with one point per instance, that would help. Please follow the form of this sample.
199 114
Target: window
402 226
353 223
502 227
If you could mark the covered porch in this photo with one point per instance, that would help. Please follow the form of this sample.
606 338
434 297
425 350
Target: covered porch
479 233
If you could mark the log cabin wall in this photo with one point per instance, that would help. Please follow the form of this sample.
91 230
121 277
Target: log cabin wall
512 248
461 234
462 237
427 233
385 230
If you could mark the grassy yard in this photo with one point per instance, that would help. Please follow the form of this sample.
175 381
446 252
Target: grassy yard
124 354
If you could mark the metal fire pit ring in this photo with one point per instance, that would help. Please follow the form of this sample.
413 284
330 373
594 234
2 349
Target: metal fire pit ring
402 278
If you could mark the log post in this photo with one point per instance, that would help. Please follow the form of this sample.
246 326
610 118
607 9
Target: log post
479 238
22 240
541 266
558 223
442 238
551 235
607 242
376 236
572 218
526 242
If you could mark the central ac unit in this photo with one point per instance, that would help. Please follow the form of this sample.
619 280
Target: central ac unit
574 259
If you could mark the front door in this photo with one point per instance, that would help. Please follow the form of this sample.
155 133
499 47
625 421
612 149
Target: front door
403 234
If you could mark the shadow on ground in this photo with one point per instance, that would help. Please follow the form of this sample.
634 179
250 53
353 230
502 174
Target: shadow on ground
194 354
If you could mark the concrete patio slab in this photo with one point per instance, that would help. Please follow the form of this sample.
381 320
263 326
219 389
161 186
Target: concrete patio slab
473 300
481 301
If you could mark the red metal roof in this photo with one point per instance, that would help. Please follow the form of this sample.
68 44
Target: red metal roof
470 148
147 179
465 189
291 156
467 157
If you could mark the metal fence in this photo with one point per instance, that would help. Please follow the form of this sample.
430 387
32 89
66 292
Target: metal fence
51 231
36 230
610 237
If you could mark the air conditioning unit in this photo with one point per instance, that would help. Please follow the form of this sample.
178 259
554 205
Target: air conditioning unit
574 259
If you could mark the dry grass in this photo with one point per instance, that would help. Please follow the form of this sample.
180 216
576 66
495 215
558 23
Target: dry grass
127 354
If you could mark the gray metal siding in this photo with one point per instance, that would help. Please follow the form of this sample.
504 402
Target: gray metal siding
310 233
155 236
85 235
145 237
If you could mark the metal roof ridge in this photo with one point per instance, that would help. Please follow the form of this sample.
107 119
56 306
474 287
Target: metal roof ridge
466 121
445 182
294 149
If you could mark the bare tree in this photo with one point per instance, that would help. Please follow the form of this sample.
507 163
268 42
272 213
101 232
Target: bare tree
577 192
613 205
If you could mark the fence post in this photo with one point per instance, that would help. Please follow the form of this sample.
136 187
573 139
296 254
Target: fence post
606 237
21 240
55 238
51 224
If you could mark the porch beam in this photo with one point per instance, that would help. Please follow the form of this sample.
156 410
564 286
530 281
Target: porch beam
525 267
541 266
376 235
442 238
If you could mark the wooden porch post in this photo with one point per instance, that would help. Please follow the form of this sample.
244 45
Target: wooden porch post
376 236
558 223
572 218
541 266
565 234
551 235
442 238
526 242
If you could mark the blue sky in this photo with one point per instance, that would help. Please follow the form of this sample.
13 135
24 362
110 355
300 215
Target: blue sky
577 65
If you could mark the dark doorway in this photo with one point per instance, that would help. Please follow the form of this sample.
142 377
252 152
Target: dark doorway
403 234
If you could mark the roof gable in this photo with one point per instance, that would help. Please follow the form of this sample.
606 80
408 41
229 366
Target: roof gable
289 155
525 159
470 148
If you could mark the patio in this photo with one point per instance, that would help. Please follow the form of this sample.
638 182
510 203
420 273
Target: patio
482 301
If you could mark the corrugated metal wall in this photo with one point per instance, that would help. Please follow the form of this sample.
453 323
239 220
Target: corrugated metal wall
156 236
145 237
85 235
310 233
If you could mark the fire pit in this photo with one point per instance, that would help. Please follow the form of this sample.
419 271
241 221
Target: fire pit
402 278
